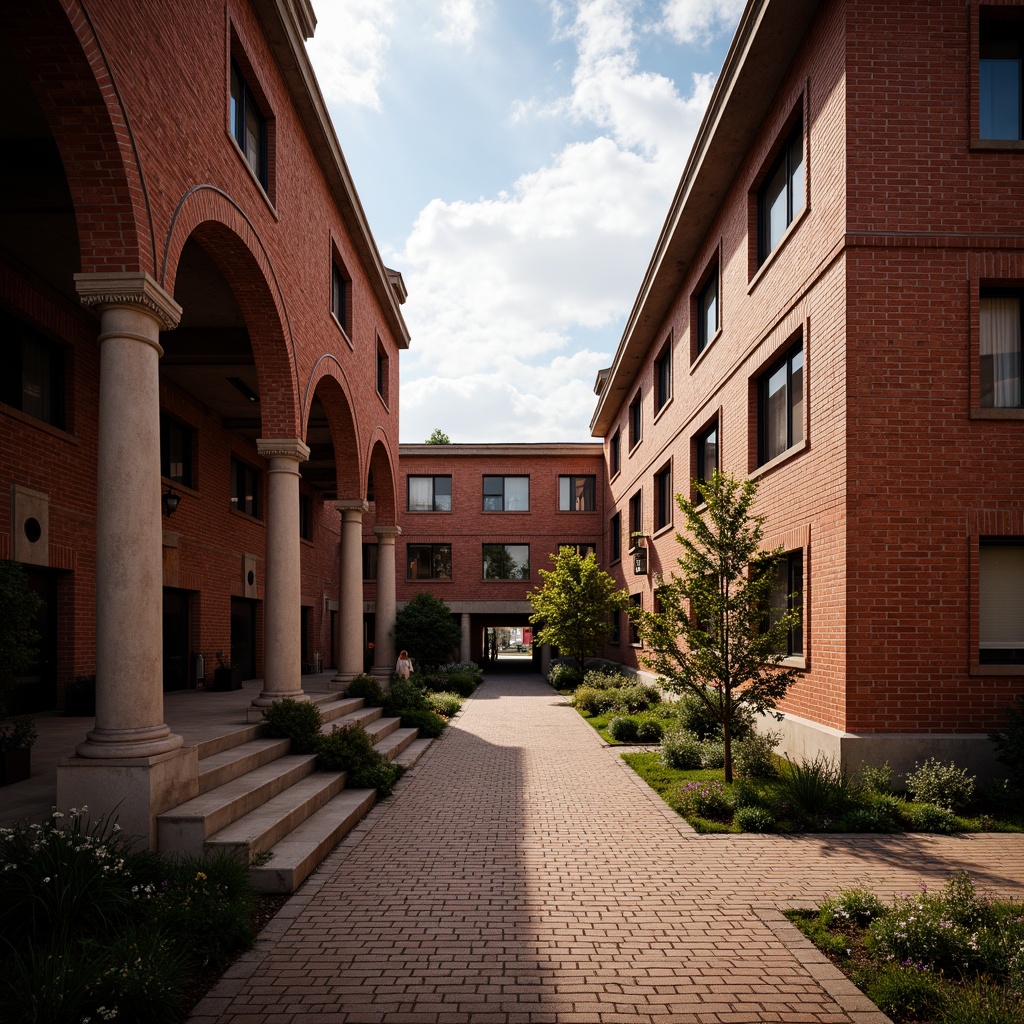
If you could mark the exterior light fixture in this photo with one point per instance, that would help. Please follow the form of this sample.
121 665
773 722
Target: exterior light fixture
170 501
639 553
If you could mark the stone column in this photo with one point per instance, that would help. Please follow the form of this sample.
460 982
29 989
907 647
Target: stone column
384 655
545 660
130 759
464 653
282 616
350 661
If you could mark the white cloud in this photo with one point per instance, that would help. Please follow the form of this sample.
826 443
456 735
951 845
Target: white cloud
348 50
700 21
459 21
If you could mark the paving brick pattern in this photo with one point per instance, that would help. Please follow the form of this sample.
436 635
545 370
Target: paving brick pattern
522 874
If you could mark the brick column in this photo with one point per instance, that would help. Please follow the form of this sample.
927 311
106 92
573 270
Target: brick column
384 655
350 661
464 653
130 759
282 617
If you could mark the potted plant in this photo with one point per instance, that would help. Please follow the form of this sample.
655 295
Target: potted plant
225 676
18 640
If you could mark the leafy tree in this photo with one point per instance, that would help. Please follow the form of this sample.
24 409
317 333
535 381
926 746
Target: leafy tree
573 606
425 628
438 437
714 636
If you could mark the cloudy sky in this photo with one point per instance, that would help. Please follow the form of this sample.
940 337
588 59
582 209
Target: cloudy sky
516 159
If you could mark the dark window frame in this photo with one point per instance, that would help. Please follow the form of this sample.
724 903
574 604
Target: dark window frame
250 505
16 340
505 579
787 163
244 102
615 454
636 516
987 384
589 481
341 296
702 442
383 372
637 601
171 430
371 553
663 378
704 338
494 495
433 478
615 533
1000 32
1010 657
435 560
787 594
636 421
795 400
582 548
663 497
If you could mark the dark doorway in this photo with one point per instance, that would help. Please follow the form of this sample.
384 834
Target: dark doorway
37 689
304 629
176 634
243 636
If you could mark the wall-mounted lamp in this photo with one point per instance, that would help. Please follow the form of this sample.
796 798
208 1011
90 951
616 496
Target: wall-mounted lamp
639 553
171 500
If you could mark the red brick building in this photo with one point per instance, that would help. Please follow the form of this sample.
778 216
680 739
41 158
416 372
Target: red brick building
193 311
833 308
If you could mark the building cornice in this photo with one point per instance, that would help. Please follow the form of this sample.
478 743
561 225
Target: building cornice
589 449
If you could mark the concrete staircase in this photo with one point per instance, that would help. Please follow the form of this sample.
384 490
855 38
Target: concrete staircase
272 808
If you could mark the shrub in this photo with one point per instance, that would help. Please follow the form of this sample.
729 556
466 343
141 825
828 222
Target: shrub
754 755
1010 742
298 721
404 695
817 787
699 719
425 628
590 702
635 698
605 678
865 819
930 818
705 800
681 750
944 785
852 906
904 992
429 723
351 751
876 778
649 730
368 688
463 683
746 794
754 819
563 676
444 703
712 754
977 1002
623 729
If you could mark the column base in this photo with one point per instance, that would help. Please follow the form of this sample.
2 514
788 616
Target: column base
133 790
128 744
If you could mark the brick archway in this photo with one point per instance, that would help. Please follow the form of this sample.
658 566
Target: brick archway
382 466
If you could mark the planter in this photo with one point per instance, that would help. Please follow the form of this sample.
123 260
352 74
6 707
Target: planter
15 765
227 678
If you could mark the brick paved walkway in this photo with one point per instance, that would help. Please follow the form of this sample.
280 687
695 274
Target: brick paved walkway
521 873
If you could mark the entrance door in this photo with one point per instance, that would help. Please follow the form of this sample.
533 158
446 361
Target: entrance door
37 689
243 636
176 645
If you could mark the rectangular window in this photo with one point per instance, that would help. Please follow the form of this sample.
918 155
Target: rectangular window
582 549
1000 335
506 494
781 197
31 372
615 529
383 377
340 297
506 561
616 636
635 422
370 561
663 379
577 494
248 125
305 516
636 601
176 451
615 453
1001 601
245 488
707 453
781 406
787 595
707 312
636 516
429 494
999 75
429 561
663 497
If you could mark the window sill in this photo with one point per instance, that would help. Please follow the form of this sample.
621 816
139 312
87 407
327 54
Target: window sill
698 358
794 661
1005 145
978 669
629 453
383 401
505 511
183 488
31 421
577 511
661 411
255 177
662 530
788 454
429 511
421 579
774 254
978 413
245 515
344 333
306 540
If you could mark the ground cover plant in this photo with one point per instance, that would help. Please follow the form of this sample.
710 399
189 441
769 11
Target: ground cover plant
955 956
92 930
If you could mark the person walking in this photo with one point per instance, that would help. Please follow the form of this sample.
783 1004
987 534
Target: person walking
403 667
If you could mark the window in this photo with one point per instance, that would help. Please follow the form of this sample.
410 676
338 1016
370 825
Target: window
506 561
663 379
663 497
429 494
245 488
175 451
707 453
582 549
787 595
615 528
341 297
429 561
615 453
636 517
999 76
1001 601
383 379
781 406
707 311
305 516
635 601
635 422
248 126
31 372
370 561
577 494
616 636
781 197
1000 332
506 494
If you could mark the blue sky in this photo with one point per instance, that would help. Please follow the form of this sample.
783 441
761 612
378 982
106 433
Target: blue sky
516 160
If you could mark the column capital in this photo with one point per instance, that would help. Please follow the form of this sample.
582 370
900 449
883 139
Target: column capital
359 505
387 533
138 290
282 448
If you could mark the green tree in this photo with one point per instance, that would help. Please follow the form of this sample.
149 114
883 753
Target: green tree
438 437
574 604
425 628
715 635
